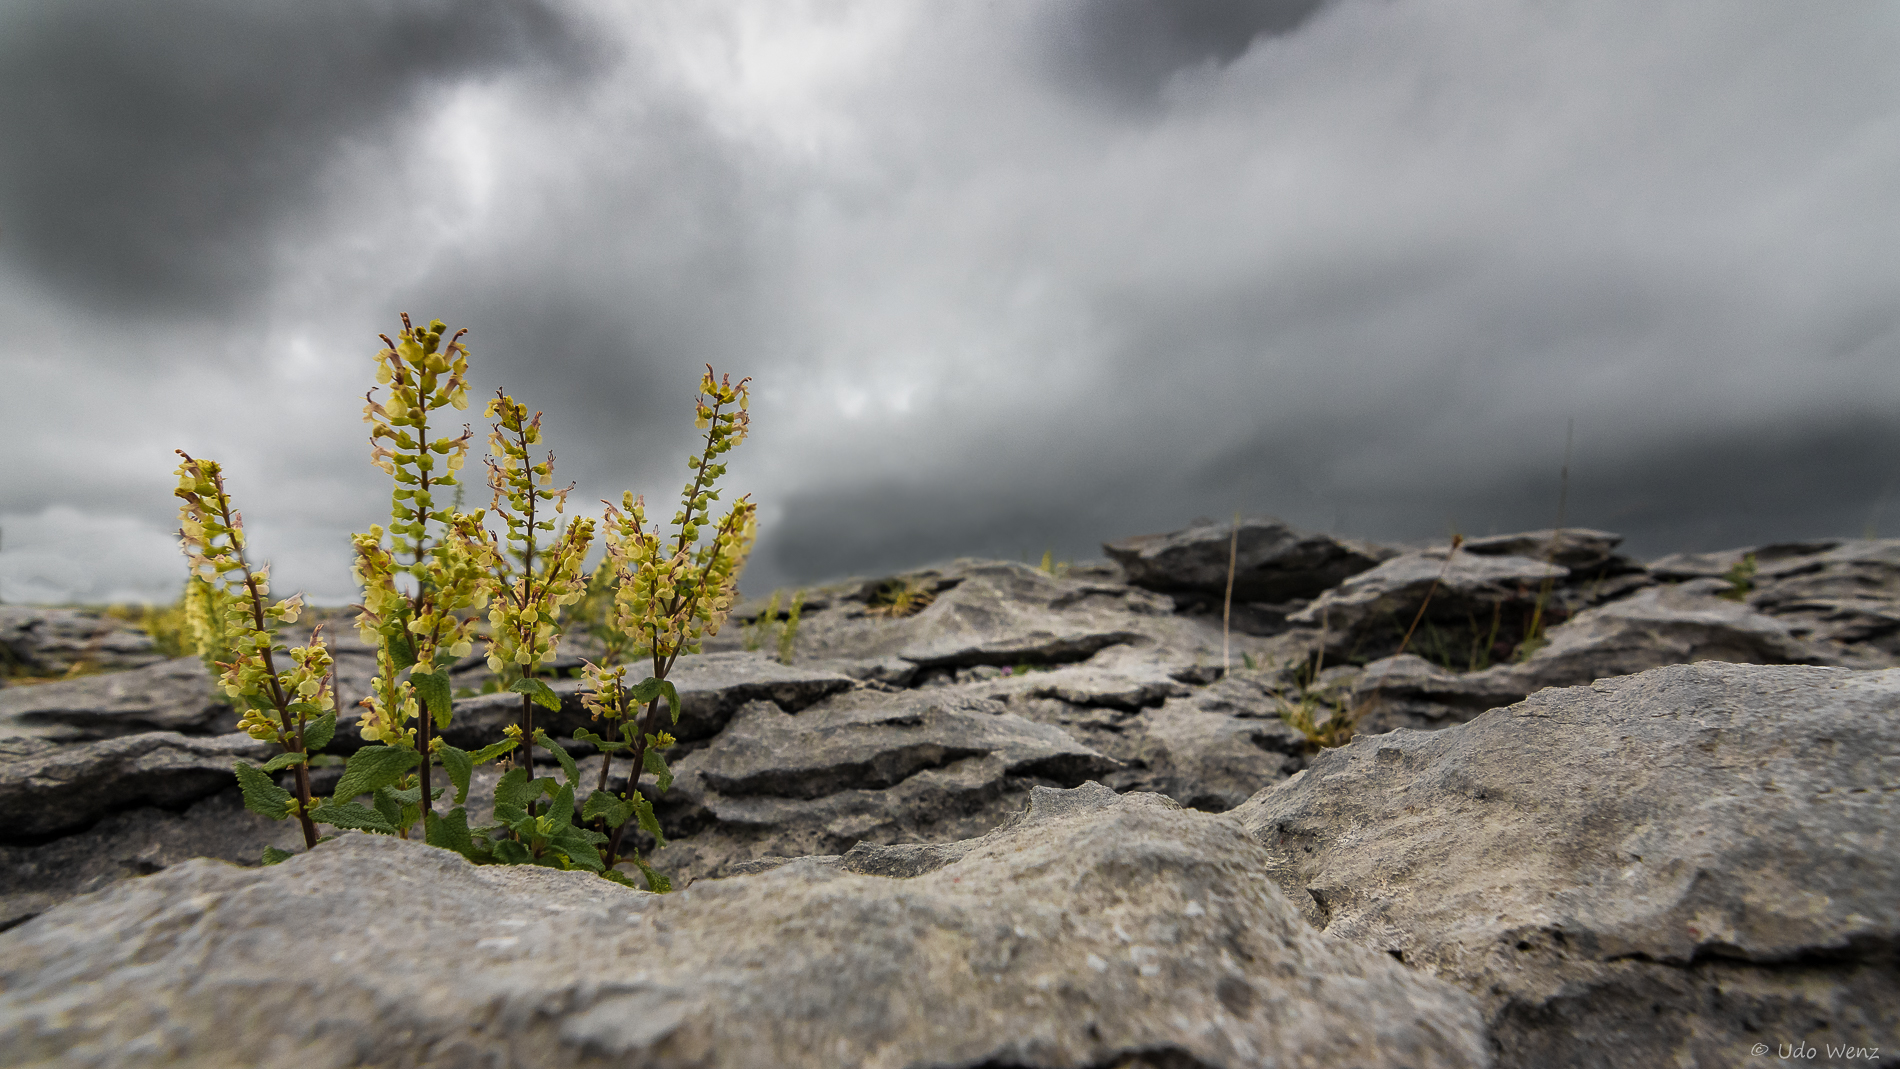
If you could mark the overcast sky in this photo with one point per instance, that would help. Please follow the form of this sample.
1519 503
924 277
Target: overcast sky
1008 275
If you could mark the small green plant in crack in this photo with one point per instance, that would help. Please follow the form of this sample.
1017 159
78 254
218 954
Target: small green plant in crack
1053 568
1740 578
1316 710
761 630
895 598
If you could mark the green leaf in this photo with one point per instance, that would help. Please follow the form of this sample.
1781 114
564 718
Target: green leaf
561 810
510 815
285 760
672 699
560 753
351 815
621 878
495 749
540 692
390 807
656 763
509 852
656 883
579 850
644 691
604 745
450 832
459 766
514 789
318 733
401 651
644 810
602 805
272 855
436 694
262 795
372 767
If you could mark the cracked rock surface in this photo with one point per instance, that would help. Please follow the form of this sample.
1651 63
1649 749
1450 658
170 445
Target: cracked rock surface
1097 930
923 711
1648 870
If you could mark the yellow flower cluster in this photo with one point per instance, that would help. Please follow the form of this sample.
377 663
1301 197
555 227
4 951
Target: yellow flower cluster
669 596
413 622
526 595
423 375
213 536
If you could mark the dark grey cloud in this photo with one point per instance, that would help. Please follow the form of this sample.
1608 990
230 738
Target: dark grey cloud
153 153
1010 277
1128 49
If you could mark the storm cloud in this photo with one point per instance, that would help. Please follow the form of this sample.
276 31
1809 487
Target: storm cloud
1007 277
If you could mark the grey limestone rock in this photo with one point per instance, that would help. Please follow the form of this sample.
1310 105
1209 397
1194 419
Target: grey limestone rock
171 695
712 686
48 788
1098 930
1274 561
1656 869
48 641
1673 624
1387 597
134 842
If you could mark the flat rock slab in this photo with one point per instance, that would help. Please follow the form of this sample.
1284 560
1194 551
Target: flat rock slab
1576 548
1387 597
49 789
54 640
1099 930
172 695
1273 561
871 740
712 686
134 842
1657 869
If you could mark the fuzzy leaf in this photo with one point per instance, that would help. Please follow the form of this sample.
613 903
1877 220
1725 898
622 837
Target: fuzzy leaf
450 832
601 805
604 745
318 733
621 878
509 852
459 765
656 763
495 749
579 850
514 790
272 855
560 753
672 699
285 760
401 650
561 810
389 806
656 883
540 692
644 810
436 694
351 815
372 767
262 795
644 691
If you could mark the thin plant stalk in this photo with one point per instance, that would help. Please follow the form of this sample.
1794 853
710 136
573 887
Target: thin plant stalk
1227 602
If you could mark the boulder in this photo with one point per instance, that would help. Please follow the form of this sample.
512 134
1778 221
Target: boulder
1273 561
51 641
1659 869
1098 930
1371 612
48 788
172 695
